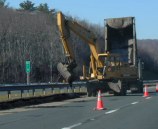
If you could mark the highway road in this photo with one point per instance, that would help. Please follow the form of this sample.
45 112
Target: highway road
122 112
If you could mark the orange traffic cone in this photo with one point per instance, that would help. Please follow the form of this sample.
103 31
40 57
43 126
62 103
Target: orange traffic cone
157 87
146 94
99 102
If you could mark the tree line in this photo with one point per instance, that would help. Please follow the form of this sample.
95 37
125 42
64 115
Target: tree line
27 34
30 33
147 50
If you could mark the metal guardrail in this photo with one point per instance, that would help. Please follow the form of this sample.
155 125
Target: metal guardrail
150 82
36 86
33 87
15 87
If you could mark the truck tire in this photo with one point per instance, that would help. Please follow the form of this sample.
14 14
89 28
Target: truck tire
140 88
89 92
92 88
94 93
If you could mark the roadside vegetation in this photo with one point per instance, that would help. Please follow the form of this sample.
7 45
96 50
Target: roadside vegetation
30 33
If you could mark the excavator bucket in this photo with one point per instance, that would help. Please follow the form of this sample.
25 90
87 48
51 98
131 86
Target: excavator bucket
115 86
64 72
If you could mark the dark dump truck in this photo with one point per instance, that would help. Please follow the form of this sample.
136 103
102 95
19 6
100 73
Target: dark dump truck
120 39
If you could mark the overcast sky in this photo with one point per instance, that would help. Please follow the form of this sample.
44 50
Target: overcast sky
95 11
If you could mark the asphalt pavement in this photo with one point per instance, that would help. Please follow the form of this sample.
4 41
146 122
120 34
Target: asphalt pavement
122 112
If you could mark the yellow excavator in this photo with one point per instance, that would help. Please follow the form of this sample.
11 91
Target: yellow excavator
108 71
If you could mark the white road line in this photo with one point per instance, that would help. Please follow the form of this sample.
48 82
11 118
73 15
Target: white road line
134 102
72 126
4 113
16 110
109 112
112 111
148 98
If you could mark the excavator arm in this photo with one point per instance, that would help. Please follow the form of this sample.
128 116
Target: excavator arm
66 69
65 26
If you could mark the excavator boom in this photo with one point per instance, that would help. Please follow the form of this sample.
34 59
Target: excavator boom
65 26
65 35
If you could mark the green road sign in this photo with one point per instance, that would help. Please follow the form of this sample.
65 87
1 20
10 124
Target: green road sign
28 66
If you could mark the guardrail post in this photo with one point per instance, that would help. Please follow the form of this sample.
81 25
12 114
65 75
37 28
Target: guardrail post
67 89
44 91
9 94
52 90
79 89
22 91
33 92
27 93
